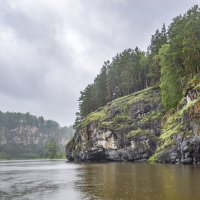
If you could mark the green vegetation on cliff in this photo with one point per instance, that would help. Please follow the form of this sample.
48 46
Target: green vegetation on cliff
126 129
137 127
118 114
182 122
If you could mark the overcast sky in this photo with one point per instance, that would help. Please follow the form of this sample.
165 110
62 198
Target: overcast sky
51 49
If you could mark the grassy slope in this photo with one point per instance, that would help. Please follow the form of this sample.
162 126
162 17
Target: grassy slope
122 119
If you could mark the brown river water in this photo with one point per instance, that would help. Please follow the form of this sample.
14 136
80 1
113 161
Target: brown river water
56 179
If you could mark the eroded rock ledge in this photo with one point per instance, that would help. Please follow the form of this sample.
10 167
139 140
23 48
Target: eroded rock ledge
180 139
126 129
135 128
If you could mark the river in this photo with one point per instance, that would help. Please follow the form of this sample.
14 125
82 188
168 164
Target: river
58 180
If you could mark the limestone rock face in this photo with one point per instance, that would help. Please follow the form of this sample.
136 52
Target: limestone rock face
20 132
28 135
135 127
180 141
127 129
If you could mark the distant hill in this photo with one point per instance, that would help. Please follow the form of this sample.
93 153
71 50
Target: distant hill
25 135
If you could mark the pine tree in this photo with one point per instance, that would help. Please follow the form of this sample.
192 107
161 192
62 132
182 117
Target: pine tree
171 90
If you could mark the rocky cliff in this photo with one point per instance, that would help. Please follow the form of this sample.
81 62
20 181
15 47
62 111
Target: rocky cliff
127 129
180 139
135 127
25 135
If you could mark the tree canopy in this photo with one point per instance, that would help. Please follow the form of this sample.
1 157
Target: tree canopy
172 57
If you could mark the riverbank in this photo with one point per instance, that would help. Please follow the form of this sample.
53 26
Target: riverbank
136 127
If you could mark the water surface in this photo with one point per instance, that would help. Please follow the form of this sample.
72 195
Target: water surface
56 179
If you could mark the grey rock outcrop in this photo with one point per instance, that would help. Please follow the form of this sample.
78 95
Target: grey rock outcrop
134 128
128 130
183 145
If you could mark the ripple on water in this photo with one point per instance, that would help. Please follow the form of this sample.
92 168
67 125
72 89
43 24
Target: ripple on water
50 180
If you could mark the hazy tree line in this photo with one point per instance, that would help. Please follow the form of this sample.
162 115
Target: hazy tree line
51 149
172 57
12 119
46 149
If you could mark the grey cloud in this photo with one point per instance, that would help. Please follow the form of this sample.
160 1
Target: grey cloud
50 50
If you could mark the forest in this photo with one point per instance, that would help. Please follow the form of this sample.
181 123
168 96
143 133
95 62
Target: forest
27 136
171 59
12 119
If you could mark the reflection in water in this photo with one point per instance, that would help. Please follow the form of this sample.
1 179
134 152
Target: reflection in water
139 181
57 180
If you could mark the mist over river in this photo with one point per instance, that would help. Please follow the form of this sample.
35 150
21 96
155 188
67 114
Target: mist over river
59 180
